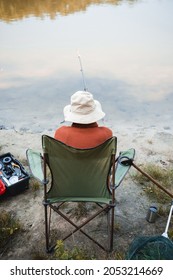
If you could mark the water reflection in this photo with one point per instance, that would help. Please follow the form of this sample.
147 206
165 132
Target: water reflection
18 9
126 49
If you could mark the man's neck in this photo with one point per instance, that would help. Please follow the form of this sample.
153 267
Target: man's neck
84 125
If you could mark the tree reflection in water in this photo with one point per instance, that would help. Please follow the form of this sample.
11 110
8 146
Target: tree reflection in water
18 9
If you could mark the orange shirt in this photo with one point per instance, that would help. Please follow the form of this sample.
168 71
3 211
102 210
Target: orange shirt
83 136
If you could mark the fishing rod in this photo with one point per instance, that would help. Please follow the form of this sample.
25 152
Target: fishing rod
82 72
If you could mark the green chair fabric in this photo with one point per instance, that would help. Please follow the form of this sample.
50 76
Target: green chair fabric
81 175
124 163
35 162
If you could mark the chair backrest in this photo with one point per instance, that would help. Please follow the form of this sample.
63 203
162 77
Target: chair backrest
80 174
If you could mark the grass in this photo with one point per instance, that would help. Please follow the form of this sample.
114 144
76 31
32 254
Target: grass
35 185
76 253
80 211
170 233
119 255
8 227
163 176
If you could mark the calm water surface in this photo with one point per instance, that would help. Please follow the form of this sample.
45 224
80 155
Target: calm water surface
127 55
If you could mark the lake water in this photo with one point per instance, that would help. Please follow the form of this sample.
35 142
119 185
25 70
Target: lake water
126 49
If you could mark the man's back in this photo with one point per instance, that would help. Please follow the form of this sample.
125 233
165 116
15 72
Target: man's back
83 136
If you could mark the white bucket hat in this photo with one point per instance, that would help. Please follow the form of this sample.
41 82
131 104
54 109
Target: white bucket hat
83 109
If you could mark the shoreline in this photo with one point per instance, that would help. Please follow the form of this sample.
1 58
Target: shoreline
152 144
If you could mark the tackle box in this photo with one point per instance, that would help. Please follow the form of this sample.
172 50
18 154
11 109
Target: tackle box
13 176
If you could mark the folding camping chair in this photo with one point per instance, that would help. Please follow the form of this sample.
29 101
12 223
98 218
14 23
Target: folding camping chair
79 175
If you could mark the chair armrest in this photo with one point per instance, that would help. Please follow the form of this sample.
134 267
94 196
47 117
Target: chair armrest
35 162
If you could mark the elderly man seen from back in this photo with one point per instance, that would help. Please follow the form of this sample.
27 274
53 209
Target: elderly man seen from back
83 112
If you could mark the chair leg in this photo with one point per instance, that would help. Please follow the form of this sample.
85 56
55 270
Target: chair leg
47 230
110 222
112 229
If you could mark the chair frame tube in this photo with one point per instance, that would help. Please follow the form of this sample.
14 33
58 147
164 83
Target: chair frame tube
112 202
47 226
152 179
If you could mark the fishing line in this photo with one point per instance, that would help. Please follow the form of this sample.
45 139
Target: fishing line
82 72
83 77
